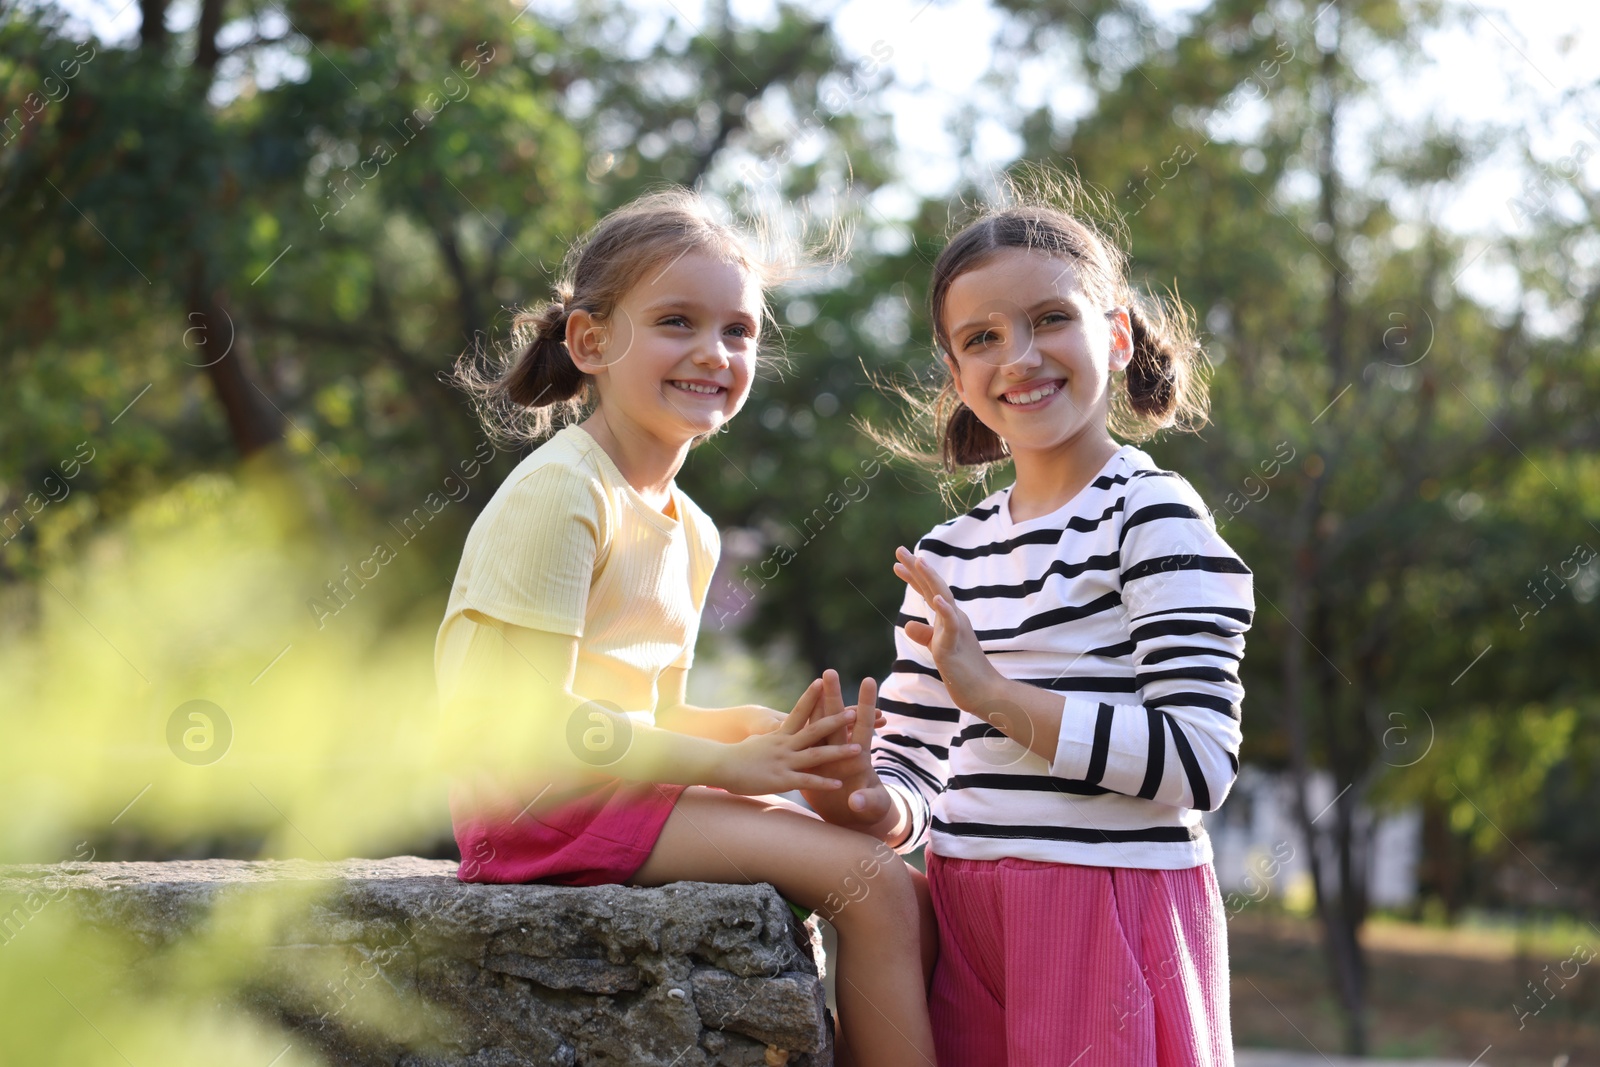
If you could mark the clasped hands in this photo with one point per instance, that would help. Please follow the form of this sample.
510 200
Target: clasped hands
860 800
823 748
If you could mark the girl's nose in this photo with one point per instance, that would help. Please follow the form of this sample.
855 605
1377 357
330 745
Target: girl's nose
711 354
1019 355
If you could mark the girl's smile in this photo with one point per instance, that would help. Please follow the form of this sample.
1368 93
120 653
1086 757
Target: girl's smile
699 388
1034 395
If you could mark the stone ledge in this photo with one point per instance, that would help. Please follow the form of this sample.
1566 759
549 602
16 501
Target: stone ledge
483 975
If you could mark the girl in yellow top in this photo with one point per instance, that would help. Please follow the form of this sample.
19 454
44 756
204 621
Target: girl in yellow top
564 652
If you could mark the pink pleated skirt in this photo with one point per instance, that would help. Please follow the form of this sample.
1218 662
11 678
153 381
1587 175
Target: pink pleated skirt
1050 965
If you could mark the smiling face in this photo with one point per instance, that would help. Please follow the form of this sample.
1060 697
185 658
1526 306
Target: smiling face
675 357
1031 351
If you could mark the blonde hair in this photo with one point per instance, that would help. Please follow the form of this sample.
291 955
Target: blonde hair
527 389
1164 385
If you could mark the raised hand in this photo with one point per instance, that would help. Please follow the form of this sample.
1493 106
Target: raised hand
787 758
950 639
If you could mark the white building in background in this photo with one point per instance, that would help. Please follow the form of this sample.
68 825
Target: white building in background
1260 850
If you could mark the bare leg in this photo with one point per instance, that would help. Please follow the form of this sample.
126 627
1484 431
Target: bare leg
713 836
925 915
929 924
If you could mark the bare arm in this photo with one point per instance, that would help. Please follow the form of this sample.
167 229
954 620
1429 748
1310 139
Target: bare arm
730 724
733 724
517 718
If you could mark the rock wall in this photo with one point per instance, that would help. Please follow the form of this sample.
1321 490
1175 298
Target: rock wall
393 962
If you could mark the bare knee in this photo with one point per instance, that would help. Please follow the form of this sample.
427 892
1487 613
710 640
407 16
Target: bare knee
876 889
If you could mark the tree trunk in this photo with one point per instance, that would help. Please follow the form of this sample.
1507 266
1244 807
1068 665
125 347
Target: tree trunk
206 53
152 25
1341 902
213 341
1345 909
213 338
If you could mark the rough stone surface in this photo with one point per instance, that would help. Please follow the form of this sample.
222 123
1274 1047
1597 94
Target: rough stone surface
686 975
785 1011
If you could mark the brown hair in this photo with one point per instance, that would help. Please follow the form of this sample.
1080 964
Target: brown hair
527 389
1164 385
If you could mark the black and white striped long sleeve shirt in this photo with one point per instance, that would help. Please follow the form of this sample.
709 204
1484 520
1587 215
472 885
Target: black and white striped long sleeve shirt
1128 603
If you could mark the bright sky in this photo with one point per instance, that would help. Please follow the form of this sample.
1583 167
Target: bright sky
1526 64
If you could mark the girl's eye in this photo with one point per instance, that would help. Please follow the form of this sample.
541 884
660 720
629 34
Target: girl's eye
674 320
987 337
1054 316
740 331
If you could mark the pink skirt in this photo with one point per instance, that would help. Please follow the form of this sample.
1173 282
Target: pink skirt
1054 964
599 834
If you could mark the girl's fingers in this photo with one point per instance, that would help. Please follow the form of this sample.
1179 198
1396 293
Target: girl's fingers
953 617
916 573
903 567
911 578
832 696
814 781
933 581
816 731
867 714
920 632
810 757
803 708
934 584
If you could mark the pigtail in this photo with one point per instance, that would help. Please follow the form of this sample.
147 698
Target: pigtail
523 390
1153 370
1164 385
545 373
966 441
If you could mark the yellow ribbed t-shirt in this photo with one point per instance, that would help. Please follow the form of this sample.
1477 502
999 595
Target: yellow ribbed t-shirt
566 545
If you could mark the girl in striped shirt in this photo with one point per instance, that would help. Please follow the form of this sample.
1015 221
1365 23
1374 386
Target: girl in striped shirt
1065 699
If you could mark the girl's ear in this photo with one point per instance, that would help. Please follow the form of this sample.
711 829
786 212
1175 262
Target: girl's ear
586 340
1121 338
